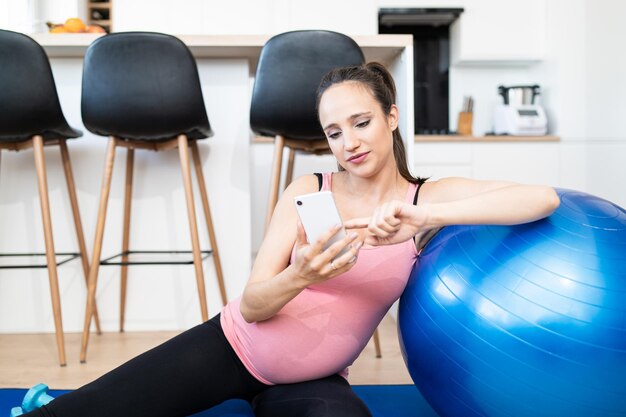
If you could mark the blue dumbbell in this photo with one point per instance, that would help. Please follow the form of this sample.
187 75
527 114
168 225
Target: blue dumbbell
34 398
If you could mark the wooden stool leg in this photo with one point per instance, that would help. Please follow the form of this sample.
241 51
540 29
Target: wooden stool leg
80 236
279 144
209 220
377 343
130 161
290 164
97 246
42 182
183 152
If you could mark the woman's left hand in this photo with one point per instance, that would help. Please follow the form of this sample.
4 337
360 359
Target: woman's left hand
392 222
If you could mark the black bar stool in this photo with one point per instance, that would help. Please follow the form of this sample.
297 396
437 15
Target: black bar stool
31 117
143 91
290 69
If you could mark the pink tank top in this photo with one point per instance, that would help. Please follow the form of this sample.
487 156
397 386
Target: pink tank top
324 328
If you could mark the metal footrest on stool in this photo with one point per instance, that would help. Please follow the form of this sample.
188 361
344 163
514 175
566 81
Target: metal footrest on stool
147 257
61 258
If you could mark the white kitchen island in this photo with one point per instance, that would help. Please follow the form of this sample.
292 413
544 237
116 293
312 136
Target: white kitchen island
159 297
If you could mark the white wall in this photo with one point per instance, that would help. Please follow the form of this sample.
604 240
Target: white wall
18 15
604 99
30 16
604 102
246 16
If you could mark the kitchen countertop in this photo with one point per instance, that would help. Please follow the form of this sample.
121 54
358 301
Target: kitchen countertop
457 138
488 138
384 48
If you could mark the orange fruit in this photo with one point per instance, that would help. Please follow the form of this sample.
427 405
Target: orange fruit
59 29
95 29
75 25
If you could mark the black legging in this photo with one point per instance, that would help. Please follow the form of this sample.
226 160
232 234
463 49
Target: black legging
194 371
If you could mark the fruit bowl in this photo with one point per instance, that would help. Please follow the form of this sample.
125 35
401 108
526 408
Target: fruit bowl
74 25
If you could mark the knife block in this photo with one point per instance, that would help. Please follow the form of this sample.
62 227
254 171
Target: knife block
464 124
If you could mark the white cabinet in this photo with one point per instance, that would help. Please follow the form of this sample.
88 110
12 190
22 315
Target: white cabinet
438 160
524 162
495 31
528 163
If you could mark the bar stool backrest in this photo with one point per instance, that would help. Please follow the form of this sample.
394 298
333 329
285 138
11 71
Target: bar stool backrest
29 104
142 86
290 69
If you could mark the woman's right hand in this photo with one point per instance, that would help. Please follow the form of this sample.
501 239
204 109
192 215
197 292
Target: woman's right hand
313 264
393 222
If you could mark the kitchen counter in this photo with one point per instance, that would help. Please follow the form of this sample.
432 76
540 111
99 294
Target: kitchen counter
487 138
384 48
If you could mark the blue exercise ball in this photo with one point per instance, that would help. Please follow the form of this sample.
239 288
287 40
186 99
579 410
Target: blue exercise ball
526 320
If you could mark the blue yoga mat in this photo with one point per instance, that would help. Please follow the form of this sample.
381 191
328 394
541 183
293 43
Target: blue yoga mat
382 400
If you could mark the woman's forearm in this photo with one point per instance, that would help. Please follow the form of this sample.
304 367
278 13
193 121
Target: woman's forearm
263 299
513 204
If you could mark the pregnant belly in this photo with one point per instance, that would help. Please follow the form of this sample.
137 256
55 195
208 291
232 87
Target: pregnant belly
303 344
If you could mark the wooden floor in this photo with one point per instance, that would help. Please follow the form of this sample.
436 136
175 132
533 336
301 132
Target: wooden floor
26 360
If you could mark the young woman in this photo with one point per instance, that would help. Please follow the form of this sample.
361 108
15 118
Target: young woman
306 313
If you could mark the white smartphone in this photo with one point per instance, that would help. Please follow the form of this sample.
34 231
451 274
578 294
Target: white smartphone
318 213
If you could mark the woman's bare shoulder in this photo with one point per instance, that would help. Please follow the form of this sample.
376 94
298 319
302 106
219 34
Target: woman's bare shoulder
303 185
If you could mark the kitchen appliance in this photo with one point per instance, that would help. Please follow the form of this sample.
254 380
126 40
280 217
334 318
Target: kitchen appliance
520 115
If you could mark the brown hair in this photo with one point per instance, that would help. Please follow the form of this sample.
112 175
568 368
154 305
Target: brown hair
379 82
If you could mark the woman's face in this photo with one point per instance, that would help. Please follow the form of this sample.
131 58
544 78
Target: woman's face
360 135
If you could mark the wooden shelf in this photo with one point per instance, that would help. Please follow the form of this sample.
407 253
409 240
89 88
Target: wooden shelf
100 22
100 8
488 138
